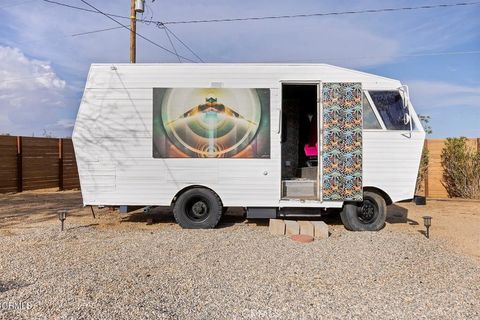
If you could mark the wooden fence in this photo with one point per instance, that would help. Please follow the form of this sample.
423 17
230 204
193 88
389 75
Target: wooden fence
28 163
432 184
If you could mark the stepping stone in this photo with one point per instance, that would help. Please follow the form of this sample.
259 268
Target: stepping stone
277 226
302 238
321 229
307 228
291 227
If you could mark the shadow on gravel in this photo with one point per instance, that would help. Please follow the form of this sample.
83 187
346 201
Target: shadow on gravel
156 215
15 221
423 232
84 226
161 215
10 285
397 214
332 218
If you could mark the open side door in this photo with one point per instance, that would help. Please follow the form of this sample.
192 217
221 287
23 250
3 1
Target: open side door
341 149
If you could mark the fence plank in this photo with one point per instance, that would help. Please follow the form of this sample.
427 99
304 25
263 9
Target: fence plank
8 164
60 164
19 165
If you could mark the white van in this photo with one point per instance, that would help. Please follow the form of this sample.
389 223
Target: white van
265 137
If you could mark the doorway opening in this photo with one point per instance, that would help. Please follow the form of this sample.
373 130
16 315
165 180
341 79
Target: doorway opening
299 141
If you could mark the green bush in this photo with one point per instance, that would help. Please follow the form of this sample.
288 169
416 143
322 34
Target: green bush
461 169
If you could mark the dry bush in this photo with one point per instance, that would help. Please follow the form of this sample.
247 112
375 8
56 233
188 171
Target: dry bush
424 161
461 169
422 170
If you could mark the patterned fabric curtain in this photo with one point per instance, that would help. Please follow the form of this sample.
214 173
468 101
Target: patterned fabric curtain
342 142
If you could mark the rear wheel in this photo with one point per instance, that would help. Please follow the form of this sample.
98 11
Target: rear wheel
368 215
198 208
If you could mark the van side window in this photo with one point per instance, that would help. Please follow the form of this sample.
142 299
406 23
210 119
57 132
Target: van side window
370 120
390 107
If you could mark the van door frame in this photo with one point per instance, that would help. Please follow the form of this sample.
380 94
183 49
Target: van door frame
319 176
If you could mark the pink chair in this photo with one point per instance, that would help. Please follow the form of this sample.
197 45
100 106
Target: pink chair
311 151
311 148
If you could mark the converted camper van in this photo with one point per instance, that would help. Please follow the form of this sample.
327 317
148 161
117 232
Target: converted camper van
266 137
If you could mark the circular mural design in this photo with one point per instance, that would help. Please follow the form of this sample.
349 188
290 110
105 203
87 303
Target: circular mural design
211 122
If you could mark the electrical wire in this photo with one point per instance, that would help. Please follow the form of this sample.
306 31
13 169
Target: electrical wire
159 25
95 31
147 10
183 43
164 24
413 55
136 33
145 21
171 42
84 9
337 13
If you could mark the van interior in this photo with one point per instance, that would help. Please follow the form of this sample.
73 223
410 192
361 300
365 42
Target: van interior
299 142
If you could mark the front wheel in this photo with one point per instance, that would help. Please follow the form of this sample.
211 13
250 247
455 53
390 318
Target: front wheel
198 208
368 215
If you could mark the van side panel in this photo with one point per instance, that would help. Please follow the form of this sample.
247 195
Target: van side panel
391 160
113 136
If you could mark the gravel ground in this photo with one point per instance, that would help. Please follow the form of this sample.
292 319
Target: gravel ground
101 269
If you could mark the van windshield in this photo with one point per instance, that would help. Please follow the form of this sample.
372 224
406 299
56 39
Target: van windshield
390 107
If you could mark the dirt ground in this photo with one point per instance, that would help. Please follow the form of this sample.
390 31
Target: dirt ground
456 221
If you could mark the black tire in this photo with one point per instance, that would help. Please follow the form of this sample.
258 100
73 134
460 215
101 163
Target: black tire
198 208
368 215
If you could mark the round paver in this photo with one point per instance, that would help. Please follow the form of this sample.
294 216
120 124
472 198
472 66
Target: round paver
302 238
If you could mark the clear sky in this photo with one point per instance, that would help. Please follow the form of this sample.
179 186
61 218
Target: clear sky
43 67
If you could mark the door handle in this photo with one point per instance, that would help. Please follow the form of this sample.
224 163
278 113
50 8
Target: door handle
279 131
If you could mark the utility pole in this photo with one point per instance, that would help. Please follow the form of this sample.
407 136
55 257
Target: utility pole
133 32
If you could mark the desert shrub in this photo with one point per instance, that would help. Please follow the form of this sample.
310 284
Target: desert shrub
422 170
461 169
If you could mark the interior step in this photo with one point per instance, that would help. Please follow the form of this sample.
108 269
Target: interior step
299 189
309 173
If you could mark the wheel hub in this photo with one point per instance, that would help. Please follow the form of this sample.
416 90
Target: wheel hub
367 212
199 208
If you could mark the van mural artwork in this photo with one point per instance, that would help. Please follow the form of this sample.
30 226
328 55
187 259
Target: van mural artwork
211 123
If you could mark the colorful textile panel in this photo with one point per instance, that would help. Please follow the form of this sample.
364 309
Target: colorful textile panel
211 123
342 141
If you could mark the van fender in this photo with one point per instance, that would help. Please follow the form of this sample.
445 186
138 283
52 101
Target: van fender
179 193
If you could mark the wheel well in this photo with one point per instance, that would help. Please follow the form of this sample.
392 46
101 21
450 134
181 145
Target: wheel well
179 193
380 192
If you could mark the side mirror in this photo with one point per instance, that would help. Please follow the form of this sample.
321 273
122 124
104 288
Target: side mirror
405 95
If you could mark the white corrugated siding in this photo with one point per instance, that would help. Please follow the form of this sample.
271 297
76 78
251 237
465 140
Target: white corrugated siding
113 137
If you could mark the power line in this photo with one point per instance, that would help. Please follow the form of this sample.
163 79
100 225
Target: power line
122 26
445 53
183 43
84 9
420 54
337 13
321 14
163 24
173 47
136 33
168 32
95 31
